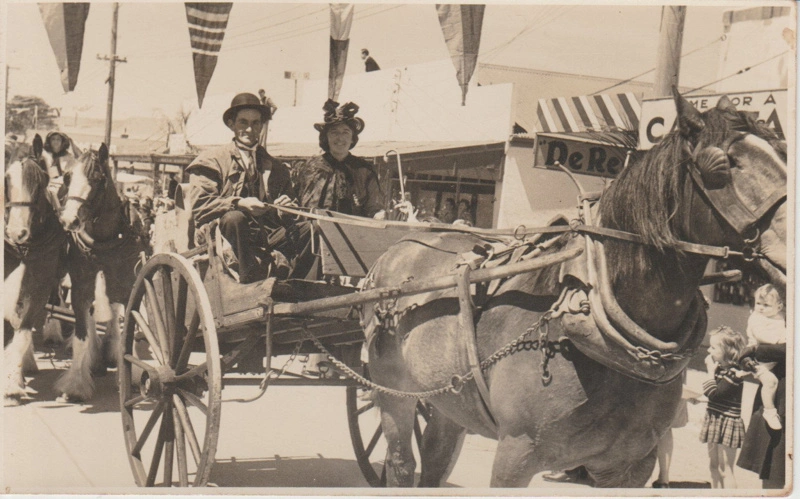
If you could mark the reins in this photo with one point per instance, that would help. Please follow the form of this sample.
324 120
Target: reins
521 232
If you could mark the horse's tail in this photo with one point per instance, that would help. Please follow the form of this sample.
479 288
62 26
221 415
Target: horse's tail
12 287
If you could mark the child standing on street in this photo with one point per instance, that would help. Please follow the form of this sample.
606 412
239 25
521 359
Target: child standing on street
723 428
767 326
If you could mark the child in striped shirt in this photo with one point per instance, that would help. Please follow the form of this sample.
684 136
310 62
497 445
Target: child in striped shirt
723 428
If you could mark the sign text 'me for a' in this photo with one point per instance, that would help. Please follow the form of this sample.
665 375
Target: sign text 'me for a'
658 115
579 156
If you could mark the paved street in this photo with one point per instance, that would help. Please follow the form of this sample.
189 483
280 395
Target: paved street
291 437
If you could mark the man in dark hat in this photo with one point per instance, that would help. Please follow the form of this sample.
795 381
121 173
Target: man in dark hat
232 184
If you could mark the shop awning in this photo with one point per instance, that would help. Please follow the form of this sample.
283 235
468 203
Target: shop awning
586 113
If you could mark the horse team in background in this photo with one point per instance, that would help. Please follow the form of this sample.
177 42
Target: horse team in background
583 413
82 227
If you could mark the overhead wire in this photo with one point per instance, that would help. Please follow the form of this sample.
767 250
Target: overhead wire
628 80
539 22
741 71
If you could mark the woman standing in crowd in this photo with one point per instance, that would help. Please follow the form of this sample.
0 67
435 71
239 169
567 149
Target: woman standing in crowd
764 447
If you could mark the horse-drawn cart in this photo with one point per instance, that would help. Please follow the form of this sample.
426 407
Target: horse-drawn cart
190 329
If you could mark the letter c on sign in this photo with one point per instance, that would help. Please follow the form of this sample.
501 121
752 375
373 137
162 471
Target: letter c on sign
655 121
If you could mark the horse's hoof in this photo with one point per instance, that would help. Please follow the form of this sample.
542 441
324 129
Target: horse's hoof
11 401
68 399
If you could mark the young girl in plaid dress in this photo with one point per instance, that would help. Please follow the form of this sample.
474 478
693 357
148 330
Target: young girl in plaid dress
723 428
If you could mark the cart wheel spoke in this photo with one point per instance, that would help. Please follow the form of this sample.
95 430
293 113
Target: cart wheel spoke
169 448
188 429
374 441
135 400
158 318
180 450
151 422
168 315
154 464
365 408
194 372
180 285
148 333
188 341
194 400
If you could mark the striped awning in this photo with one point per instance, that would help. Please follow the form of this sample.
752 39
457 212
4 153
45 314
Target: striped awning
589 113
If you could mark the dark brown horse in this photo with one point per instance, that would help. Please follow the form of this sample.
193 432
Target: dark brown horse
34 250
103 252
717 181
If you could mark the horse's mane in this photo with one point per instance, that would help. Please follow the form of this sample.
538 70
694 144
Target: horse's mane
34 177
645 197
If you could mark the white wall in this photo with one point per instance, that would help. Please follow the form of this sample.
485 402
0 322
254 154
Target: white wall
416 103
531 196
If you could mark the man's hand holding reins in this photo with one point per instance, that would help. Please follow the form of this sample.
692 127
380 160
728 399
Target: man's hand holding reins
252 206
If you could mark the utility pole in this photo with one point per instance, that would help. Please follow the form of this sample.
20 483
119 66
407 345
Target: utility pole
112 63
8 68
668 63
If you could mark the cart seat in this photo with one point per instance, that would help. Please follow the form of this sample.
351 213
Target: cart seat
351 250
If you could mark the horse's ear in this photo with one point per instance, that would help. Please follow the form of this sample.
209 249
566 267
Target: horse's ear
38 146
725 105
689 119
103 153
76 151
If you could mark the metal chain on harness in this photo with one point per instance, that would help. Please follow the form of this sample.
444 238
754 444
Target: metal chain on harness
457 382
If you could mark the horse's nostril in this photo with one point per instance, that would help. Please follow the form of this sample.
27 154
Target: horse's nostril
23 234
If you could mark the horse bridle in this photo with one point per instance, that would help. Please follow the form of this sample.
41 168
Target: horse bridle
741 215
94 191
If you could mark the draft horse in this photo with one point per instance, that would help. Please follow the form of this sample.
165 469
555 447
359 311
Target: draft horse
104 248
557 393
34 252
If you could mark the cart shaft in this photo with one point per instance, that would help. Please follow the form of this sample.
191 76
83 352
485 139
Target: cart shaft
412 288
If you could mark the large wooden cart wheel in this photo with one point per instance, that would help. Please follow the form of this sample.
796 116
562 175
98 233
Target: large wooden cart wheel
170 381
365 428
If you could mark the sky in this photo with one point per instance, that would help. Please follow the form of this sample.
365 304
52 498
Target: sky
264 40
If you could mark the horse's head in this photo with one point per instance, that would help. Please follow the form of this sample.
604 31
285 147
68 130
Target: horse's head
719 179
25 192
738 169
87 182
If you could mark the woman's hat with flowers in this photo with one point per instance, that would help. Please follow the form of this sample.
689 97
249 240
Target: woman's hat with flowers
336 114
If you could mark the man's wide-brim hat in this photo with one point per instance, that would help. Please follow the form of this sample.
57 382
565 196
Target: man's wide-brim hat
344 114
246 101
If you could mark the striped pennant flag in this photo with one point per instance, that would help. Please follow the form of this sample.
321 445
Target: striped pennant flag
65 24
341 21
207 23
601 112
461 27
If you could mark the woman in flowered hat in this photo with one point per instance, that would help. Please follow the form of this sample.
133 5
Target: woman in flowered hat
337 180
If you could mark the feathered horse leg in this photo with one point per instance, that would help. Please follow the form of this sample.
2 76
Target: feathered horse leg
76 383
14 358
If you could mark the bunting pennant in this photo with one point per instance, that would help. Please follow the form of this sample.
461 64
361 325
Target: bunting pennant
207 23
65 23
461 27
341 20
